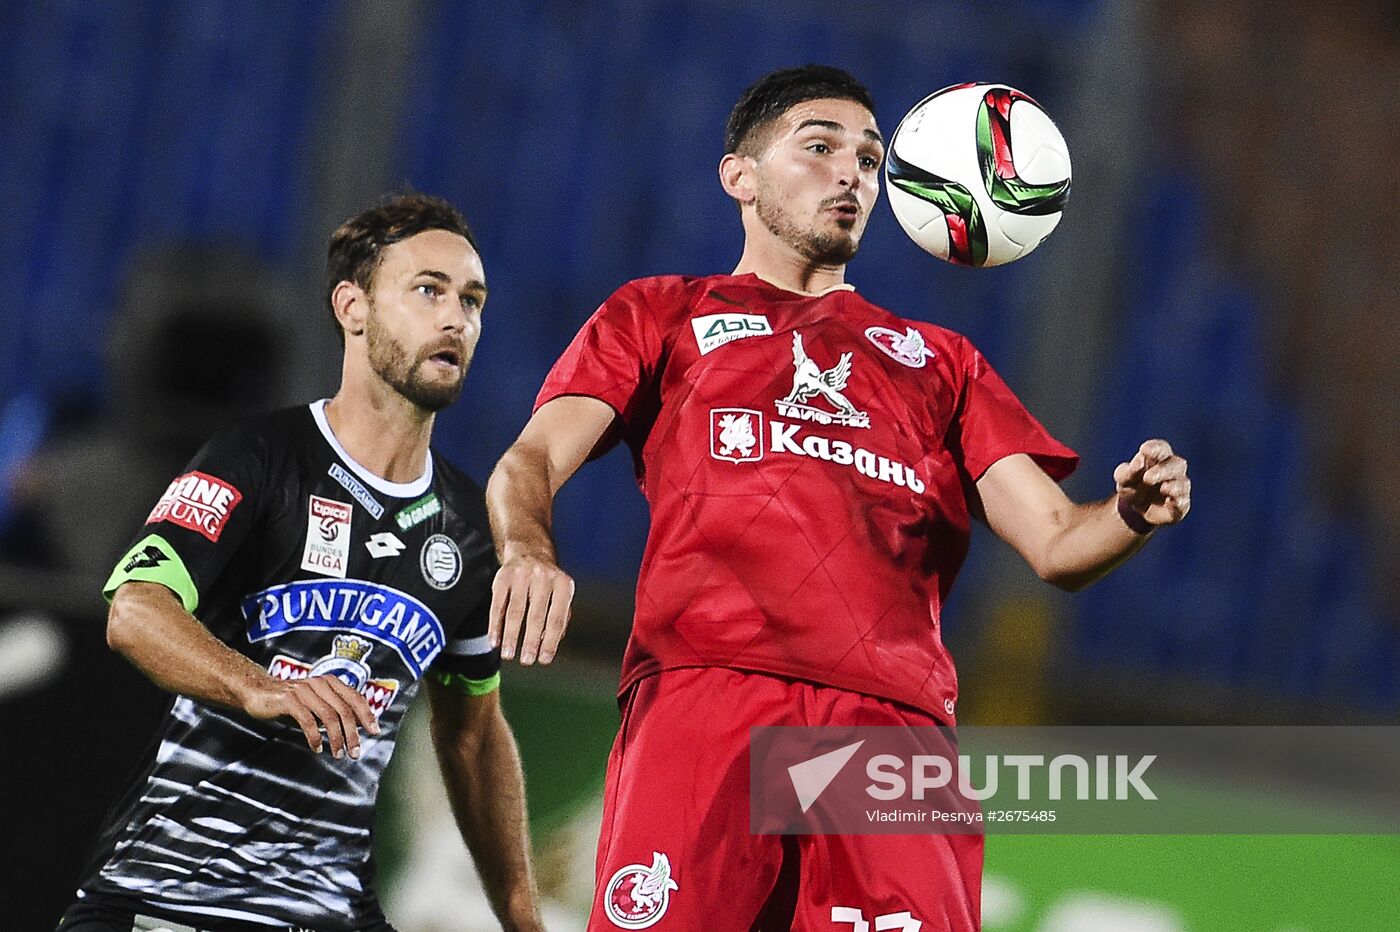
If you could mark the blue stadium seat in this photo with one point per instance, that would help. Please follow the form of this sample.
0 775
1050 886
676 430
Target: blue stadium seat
1263 587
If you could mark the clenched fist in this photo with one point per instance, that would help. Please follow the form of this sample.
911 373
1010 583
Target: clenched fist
1154 484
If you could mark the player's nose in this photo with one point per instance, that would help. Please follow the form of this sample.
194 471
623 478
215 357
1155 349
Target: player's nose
848 173
453 318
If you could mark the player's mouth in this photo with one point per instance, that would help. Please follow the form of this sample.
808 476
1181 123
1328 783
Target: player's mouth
448 357
844 210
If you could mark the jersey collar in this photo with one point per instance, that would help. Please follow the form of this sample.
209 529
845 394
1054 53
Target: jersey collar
840 286
378 483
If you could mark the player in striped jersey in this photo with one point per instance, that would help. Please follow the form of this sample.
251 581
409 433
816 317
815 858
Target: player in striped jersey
292 588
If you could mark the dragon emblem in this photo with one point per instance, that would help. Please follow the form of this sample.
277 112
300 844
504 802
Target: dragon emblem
736 435
637 895
908 347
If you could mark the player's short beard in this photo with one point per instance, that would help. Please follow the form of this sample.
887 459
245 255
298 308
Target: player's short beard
390 361
824 248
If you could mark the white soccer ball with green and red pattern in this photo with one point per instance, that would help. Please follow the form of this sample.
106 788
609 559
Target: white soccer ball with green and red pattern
978 174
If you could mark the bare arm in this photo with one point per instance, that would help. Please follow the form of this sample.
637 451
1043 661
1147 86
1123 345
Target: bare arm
531 594
1072 545
481 767
149 627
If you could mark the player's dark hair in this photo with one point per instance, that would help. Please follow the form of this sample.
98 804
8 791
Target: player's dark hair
774 94
357 246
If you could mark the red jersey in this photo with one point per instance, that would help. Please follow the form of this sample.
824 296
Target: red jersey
804 458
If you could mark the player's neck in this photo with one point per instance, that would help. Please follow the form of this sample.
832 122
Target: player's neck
779 264
381 430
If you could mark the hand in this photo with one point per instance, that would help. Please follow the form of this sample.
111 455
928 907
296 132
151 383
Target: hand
536 592
1154 484
314 703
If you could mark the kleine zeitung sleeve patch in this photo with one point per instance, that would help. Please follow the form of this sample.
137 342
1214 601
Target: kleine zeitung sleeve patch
199 502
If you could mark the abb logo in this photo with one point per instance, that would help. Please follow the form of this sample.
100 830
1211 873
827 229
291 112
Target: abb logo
199 502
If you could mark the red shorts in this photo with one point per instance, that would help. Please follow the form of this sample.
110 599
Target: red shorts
676 851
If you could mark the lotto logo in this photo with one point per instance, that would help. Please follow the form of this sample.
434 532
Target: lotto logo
199 502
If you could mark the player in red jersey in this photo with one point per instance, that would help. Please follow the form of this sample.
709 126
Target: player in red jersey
812 463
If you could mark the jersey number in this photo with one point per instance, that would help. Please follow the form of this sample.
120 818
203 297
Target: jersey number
889 922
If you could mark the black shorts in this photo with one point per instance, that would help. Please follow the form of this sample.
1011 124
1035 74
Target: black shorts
104 913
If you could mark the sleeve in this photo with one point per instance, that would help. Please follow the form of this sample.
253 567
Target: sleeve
615 357
468 662
199 522
991 423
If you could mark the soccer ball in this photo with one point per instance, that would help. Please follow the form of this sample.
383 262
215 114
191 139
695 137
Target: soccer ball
977 174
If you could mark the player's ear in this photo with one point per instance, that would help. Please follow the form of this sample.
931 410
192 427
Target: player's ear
736 176
351 306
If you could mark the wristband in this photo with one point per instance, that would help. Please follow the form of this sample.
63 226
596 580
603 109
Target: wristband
1134 519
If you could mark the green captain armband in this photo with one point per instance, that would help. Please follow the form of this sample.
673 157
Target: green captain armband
154 560
469 686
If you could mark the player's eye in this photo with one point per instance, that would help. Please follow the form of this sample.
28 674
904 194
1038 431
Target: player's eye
869 162
820 148
431 289
471 302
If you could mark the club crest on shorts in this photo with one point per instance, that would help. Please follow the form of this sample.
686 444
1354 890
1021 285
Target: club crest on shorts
907 347
441 561
637 895
736 435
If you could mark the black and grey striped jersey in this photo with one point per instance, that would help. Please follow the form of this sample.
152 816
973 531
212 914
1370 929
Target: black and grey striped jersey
295 555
